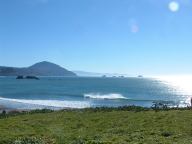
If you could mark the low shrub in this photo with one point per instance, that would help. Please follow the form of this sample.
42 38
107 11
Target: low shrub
32 140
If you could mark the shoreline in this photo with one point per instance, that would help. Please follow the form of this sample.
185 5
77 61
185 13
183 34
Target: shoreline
24 106
14 111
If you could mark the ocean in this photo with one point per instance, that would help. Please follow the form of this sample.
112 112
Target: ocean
82 92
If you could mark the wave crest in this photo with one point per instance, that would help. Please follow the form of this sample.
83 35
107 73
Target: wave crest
51 103
112 96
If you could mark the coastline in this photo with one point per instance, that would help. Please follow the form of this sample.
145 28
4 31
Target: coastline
7 110
62 93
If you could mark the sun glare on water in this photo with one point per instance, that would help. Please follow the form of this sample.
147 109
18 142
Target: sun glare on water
181 83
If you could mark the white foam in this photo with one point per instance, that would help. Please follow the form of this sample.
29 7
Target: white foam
51 103
104 96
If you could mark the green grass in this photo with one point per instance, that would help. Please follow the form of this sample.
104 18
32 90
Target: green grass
98 126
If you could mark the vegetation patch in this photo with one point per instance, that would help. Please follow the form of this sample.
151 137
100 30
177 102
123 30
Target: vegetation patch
97 126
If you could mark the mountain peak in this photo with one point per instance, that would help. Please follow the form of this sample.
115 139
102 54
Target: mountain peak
44 64
43 68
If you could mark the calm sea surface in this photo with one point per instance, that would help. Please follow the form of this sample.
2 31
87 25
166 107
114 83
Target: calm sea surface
59 92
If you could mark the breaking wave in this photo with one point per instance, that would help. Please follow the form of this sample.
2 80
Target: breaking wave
51 103
112 96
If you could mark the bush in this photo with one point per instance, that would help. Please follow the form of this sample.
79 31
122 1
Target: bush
28 141
81 141
32 140
166 134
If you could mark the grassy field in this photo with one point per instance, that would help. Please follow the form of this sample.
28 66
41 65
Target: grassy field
108 126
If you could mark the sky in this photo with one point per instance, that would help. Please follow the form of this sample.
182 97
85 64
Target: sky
148 37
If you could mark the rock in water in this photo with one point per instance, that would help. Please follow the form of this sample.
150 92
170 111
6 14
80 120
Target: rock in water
20 77
32 77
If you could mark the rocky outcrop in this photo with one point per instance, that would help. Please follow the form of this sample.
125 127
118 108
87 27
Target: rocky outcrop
32 77
20 77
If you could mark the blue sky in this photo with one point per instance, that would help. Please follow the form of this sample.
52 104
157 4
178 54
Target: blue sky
148 37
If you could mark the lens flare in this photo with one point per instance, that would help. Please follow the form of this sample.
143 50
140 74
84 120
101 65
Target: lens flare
174 6
134 29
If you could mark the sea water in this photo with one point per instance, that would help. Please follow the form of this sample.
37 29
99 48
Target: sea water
82 92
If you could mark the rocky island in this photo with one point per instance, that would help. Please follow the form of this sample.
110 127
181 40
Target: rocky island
27 77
